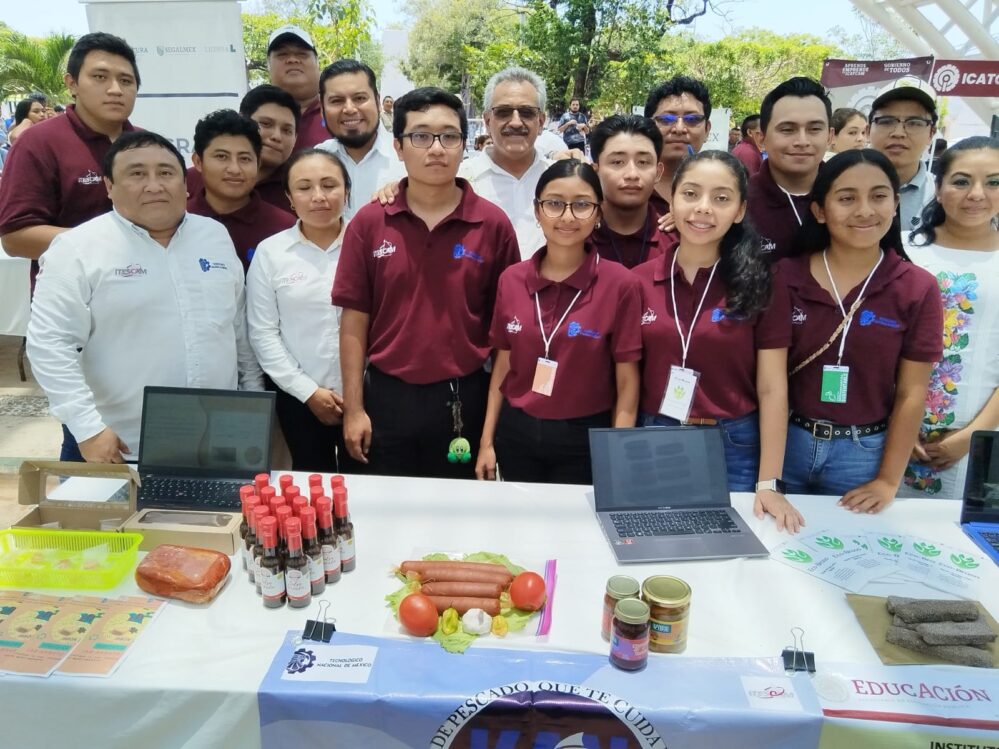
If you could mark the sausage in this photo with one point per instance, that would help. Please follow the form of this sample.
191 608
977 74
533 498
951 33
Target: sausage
419 566
463 603
445 573
476 590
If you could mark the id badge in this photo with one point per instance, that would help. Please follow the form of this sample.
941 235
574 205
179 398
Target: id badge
835 380
679 395
544 376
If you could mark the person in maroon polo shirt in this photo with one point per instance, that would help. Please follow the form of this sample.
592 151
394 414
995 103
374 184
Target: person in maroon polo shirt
293 65
567 340
749 150
795 121
417 283
716 322
681 107
866 328
625 151
227 149
52 179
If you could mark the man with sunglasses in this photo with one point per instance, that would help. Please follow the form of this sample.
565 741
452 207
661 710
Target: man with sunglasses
681 108
417 283
902 124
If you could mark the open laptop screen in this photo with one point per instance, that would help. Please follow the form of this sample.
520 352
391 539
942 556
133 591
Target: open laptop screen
981 488
659 467
210 433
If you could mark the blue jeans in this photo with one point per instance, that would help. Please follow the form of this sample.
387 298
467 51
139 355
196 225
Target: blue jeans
70 451
814 466
741 438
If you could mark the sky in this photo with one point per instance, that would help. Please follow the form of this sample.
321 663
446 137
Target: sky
41 17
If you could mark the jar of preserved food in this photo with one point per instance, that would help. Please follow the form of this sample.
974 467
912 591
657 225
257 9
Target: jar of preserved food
669 605
630 638
619 587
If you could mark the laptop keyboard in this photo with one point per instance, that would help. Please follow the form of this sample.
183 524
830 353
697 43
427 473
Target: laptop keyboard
692 523
221 494
991 538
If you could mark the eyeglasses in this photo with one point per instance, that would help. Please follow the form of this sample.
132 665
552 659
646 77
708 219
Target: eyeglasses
690 120
909 124
506 113
426 140
556 208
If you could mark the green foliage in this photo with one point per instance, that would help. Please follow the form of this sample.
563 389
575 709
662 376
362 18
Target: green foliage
28 64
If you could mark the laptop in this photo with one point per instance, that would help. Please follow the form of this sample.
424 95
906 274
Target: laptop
199 446
661 495
980 508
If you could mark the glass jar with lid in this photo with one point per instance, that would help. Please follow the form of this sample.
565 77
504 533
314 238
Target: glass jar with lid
619 587
669 607
630 637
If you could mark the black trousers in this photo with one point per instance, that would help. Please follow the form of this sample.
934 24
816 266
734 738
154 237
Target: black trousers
547 451
411 425
314 446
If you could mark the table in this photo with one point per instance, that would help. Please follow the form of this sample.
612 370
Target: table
192 679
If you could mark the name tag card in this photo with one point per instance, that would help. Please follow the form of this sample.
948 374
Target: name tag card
544 376
835 381
679 395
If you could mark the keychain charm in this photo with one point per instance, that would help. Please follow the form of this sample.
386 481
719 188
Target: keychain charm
459 450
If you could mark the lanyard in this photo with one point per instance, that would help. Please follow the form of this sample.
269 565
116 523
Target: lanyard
685 342
541 326
839 301
645 241
793 206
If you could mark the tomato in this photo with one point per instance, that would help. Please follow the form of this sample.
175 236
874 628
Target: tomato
527 591
418 615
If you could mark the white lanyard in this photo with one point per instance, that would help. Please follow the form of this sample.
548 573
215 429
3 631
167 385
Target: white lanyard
790 200
537 303
685 342
839 301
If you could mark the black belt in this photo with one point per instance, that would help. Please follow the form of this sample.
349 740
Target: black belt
824 430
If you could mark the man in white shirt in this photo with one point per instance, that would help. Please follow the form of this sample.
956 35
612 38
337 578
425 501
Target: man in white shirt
144 295
349 95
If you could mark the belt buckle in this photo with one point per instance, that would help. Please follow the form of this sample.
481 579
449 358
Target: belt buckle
822 430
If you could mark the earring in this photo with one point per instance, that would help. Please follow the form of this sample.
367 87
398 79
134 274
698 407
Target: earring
599 224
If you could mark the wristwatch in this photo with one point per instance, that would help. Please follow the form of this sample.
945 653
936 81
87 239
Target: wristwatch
774 485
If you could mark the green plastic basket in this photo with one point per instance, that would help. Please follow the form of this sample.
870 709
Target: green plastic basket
71 560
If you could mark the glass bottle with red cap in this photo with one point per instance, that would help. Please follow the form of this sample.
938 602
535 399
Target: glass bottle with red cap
284 481
261 480
315 492
249 505
337 482
328 541
298 504
314 552
282 514
344 529
267 495
296 575
271 574
290 493
315 479
257 551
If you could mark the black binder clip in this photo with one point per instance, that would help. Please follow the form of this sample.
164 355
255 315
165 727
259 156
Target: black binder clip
321 628
795 657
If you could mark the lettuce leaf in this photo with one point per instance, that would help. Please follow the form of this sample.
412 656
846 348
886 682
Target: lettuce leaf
485 556
437 557
394 599
457 642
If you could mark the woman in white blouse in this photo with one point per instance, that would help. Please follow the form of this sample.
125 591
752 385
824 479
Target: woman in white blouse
959 244
294 329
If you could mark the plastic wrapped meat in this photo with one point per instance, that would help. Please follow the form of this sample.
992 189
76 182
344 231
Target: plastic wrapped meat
183 572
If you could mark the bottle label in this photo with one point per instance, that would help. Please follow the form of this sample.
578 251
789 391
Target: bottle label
271 583
298 584
606 623
346 549
667 634
317 569
625 649
331 558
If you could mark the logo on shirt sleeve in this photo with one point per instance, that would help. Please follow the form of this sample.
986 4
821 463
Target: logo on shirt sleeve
867 317
90 178
798 316
649 316
575 329
514 326
460 251
207 265
767 245
386 249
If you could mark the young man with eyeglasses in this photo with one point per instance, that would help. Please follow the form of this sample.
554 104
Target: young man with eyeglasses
902 124
417 283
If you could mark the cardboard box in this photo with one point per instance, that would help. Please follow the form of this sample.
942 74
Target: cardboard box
76 495
218 531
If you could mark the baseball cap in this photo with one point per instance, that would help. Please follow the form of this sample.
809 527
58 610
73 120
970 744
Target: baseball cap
906 93
290 30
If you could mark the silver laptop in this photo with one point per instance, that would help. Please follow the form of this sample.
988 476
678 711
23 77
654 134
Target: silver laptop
199 446
661 495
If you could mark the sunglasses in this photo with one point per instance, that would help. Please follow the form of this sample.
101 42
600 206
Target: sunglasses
690 120
506 113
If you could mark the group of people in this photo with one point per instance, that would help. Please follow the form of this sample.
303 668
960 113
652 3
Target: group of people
423 314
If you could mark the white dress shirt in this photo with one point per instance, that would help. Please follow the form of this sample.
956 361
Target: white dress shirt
379 167
514 195
115 311
294 327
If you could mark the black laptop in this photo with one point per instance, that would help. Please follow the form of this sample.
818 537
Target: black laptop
980 508
199 446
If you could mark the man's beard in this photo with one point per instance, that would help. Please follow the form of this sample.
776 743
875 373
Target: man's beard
357 140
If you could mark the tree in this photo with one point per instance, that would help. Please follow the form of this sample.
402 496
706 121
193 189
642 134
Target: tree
28 64
873 42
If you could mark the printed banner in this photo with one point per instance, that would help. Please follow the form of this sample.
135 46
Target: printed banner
375 692
974 78
857 83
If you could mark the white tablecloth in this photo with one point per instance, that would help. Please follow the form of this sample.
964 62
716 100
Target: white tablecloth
15 294
192 678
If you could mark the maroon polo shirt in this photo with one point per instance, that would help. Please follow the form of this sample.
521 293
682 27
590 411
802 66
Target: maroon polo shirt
748 155
430 293
772 215
247 226
270 189
723 348
312 127
601 329
633 249
52 176
901 318
659 203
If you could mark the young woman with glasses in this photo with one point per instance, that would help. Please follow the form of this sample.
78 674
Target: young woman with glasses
567 342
